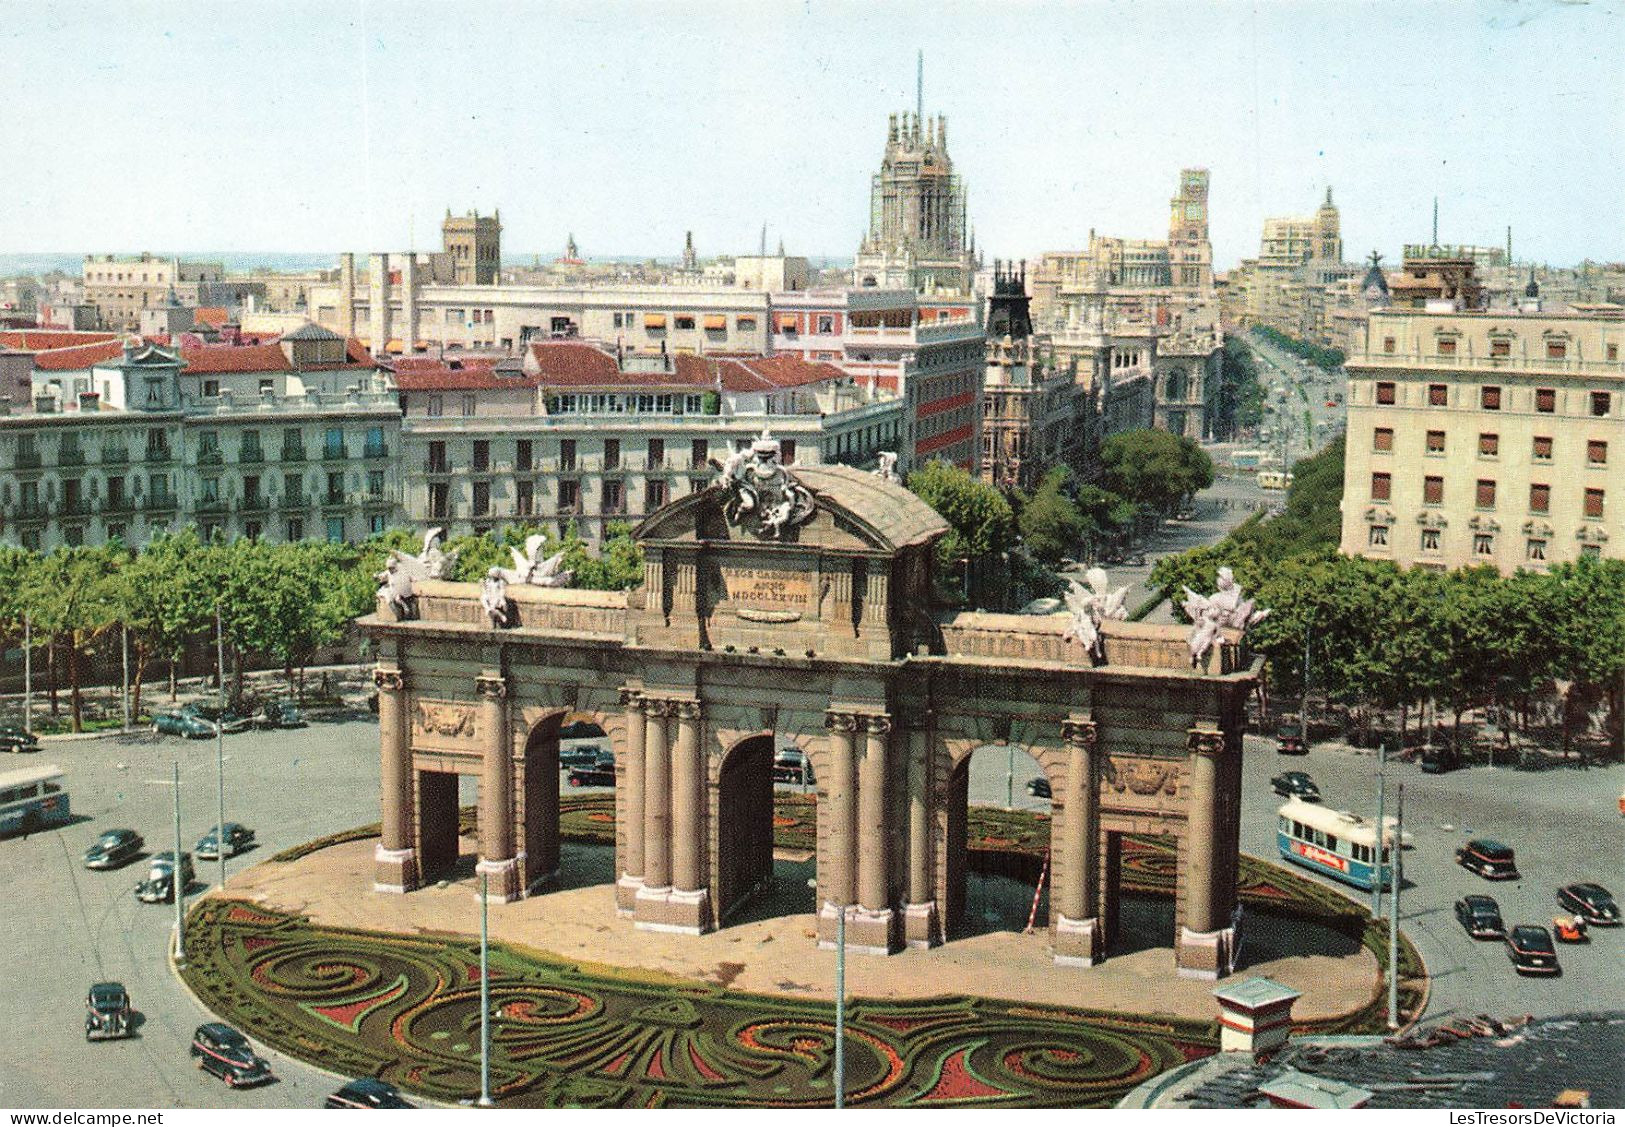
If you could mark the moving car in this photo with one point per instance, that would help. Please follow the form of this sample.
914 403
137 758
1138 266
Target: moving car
230 720
237 837
1038 787
1531 950
1291 744
179 722
1489 859
367 1092
1590 902
158 887
107 1012
1481 916
1438 760
599 774
113 848
791 765
584 755
220 1049
280 714
17 740
1296 784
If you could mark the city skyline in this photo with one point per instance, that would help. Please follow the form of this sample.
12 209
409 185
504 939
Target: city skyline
288 130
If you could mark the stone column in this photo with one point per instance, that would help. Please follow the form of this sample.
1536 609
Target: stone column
395 860
409 303
1204 946
920 914
690 900
497 859
838 822
347 294
1078 937
656 801
378 305
629 803
873 926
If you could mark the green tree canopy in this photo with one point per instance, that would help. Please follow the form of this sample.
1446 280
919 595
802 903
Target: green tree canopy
1154 468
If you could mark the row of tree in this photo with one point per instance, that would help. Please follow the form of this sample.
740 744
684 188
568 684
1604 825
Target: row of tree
1239 403
1328 358
275 602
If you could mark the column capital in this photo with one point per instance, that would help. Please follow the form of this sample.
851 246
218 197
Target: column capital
877 725
388 680
1204 741
840 721
1080 731
492 688
659 708
686 709
630 697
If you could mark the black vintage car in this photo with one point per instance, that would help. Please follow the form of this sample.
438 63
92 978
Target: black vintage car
791 765
238 838
1489 859
1296 784
17 740
107 1012
598 774
1531 951
1591 902
220 1049
1481 917
113 848
279 714
582 755
1038 786
367 1092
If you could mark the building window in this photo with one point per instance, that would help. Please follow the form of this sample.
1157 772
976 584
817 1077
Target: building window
1543 448
1430 540
1540 498
1381 485
683 320
1438 395
468 406
524 498
333 443
698 453
523 459
1435 442
1593 504
1556 349
1546 400
1385 393
1388 344
826 323
1382 438
482 498
1489 398
787 451
1600 402
1536 551
267 387
1611 352
613 498
1483 544
1447 346
437 457
745 324
375 524
1588 551
436 407
567 454
1485 494
1379 536
1500 346
335 530
335 488
482 455
569 497
1597 452
375 484
654 495
211 389
612 454
1433 491
1489 445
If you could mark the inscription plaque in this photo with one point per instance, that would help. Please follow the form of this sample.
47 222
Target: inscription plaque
786 595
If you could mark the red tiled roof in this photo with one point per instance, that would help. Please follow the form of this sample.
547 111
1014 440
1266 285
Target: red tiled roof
577 364
243 358
39 340
73 359
215 315
427 373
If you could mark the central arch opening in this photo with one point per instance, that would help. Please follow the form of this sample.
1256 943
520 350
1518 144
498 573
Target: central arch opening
997 797
568 804
745 825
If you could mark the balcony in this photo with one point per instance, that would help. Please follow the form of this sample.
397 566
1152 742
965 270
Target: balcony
77 507
371 451
211 505
293 454
436 466
334 454
28 460
250 454
160 503
258 503
296 500
335 500
159 454
120 504
115 456
73 457
210 456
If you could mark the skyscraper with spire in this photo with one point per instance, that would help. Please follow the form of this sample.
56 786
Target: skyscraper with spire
917 236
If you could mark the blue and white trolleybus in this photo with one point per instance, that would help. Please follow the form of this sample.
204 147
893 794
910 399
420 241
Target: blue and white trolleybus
1335 842
32 798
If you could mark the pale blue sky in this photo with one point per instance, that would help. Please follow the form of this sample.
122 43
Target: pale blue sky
306 126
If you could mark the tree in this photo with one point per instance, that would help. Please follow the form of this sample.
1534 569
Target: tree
1154 468
160 601
981 528
70 593
1051 525
617 567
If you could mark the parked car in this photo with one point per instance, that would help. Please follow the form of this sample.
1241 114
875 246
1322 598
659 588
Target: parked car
367 1092
581 730
1489 859
230 720
1438 760
1038 787
1531 950
1296 784
16 740
791 765
599 774
107 1012
1590 902
280 714
1291 743
237 837
582 755
1481 917
113 848
158 887
220 1049
179 722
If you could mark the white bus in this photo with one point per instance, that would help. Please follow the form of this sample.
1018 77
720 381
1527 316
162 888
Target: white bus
1274 479
1335 842
1247 459
32 799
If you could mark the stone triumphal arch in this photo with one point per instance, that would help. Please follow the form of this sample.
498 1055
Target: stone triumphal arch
805 605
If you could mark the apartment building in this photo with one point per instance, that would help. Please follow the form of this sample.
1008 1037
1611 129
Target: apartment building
287 441
121 287
576 436
1493 436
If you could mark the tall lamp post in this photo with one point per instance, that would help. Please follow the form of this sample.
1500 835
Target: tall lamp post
1393 912
485 990
220 749
840 1009
28 673
177 879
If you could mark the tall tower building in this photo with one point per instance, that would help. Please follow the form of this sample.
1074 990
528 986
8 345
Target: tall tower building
917 228
1328 232
1190 253
474 242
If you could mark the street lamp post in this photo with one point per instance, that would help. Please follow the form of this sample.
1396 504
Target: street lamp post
220 750
177 881
124 694
840 1009
28 673
485 990
1382 833
1393 912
